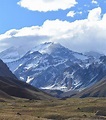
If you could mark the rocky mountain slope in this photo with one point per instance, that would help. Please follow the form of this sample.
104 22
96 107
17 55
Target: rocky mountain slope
10 86
97 90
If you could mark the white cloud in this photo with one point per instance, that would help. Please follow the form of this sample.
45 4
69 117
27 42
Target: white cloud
95 14
71 14
80 35
47 5
94 2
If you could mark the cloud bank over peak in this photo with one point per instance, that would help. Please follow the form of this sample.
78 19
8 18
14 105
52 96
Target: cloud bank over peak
81 35
47 5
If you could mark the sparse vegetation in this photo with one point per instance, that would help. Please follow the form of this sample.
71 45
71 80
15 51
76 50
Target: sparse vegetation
69 109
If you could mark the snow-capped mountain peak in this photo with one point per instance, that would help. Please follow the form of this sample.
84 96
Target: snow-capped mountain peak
47 47
46 65
58 51
51 65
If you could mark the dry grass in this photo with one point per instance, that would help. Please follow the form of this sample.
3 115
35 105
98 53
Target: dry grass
70 109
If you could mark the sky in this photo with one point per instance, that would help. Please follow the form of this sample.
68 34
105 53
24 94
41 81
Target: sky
76 24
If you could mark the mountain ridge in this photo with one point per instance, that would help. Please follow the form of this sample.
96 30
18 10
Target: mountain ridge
54 67
48 59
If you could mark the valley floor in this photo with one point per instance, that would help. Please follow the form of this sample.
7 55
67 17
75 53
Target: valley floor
69 109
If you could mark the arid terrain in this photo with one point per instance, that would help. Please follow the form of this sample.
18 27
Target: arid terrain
68 109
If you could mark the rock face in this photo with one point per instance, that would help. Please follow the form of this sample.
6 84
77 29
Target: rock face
54 67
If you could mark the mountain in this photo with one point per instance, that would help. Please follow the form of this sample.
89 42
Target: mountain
10 86
51 66
94 54
78 78
97 90
12 54
4 70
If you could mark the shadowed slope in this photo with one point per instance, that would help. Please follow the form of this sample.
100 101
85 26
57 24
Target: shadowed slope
17 88
4 70
97 90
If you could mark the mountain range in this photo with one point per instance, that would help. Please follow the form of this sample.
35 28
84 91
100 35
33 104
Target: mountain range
51 66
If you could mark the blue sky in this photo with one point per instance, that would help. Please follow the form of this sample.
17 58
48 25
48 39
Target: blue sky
15 15
12 16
